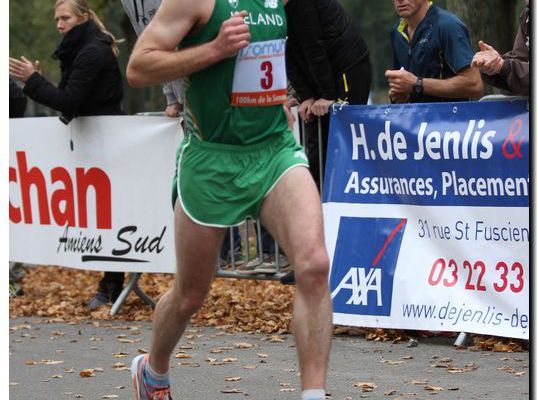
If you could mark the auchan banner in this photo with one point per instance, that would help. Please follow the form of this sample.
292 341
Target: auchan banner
95 194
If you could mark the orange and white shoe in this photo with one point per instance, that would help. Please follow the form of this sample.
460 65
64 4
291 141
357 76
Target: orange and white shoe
144 391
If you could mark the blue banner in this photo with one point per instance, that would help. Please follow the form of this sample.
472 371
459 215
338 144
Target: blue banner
459 154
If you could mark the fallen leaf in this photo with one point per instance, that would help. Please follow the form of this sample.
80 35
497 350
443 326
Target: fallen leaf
228 391
414 382
129 340
51 362
86 373
433 388
183 355
365 386
243 345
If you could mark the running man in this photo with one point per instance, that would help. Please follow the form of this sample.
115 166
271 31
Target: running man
238 160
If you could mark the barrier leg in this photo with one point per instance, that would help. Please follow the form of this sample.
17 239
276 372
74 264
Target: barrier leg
461 339
131 285
320 155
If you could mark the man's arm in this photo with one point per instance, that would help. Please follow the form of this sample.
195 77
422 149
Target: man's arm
155 58
467 83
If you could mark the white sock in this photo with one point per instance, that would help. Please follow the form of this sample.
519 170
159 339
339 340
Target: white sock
154 378
313 394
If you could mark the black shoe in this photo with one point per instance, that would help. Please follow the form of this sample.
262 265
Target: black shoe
106 293
288 279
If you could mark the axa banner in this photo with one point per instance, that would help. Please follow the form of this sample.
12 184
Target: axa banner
95 194
426 212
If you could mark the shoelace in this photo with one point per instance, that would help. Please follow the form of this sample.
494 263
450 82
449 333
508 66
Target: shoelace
162 394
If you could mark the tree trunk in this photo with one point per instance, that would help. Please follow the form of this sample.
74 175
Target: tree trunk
506 25
478 16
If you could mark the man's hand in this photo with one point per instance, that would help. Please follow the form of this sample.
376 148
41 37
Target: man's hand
487 60
321 107
234 34
173 110
304 110
21 69
399 97
400 82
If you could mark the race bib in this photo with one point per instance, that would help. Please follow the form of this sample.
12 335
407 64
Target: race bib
260 75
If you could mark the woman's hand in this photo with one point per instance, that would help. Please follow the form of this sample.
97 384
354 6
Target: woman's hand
22 69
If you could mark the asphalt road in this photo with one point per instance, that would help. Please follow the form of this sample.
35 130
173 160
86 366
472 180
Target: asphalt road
46 361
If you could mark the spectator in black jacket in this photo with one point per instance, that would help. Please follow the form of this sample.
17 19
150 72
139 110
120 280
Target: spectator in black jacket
327 61
90 85
91 80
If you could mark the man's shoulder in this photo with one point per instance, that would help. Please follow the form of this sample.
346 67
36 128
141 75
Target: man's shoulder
396 26
445 19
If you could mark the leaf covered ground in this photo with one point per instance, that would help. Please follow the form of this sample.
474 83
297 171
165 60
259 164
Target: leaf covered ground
234 304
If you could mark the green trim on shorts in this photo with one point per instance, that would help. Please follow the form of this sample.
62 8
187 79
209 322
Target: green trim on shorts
222 185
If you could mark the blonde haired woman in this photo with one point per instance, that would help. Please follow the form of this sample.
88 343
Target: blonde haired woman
90 75
90 85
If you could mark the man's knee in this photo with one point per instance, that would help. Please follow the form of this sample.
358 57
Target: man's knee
187 301
314 269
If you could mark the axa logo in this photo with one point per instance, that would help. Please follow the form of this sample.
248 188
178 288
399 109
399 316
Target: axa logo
364 264
271 3
234 3
358 283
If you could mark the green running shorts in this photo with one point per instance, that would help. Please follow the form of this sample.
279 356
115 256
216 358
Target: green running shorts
221 185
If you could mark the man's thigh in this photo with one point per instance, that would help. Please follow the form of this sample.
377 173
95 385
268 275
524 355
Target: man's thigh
197 250
292 213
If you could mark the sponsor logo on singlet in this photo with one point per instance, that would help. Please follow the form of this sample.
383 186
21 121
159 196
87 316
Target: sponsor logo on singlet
271 3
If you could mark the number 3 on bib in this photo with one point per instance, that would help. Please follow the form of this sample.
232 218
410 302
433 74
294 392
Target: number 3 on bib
260 75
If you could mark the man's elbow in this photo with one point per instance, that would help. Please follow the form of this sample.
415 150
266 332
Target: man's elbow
476 89
474 86
134 75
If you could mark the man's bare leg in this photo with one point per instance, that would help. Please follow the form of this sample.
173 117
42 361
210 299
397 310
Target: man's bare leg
292 214
197 249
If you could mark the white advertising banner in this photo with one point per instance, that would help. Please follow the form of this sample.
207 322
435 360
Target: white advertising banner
427 217
95 194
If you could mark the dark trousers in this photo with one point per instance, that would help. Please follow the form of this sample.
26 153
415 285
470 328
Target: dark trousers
225 248
354 87
113 277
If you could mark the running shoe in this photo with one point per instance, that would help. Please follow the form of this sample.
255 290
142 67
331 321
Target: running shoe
144 391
